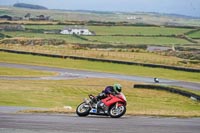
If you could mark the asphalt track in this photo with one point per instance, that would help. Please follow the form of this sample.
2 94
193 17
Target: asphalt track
45 123
12 122
65 73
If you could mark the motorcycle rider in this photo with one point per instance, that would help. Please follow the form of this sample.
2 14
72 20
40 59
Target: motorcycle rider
114 90
110 102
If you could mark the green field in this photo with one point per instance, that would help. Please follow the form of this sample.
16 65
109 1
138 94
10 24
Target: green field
67 38
136 30
100 66
145 35
195 35
5 71
45 27
119 30
119 40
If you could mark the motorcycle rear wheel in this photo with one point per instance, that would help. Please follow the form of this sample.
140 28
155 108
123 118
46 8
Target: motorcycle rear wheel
83 109
117 112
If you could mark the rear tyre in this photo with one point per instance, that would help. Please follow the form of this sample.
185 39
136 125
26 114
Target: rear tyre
83 109
117 112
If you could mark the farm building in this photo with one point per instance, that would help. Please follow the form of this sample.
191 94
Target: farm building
76 30
40 17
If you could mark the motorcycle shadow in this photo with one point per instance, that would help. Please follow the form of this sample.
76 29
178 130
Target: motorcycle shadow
100 116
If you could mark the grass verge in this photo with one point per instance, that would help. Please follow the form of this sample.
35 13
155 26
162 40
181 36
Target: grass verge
4 71
100 66
54 95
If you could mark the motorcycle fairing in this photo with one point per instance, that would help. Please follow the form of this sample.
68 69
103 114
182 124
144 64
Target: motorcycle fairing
111 100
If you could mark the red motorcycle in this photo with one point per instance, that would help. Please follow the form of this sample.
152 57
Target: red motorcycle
113 106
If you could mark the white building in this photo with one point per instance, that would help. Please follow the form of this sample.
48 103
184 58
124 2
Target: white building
76 30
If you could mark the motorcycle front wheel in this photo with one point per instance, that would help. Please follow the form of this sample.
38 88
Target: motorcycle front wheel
116 112
83 109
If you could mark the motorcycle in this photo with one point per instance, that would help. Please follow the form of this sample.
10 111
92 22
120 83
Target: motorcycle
113 106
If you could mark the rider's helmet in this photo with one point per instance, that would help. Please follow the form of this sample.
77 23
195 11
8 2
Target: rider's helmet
117 88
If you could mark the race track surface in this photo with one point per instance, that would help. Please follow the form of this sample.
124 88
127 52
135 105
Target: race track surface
65 73
45 123
12 122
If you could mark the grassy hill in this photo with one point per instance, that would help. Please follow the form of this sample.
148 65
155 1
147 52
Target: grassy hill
134 18
130 32
29 6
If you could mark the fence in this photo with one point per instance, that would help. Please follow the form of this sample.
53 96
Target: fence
105 60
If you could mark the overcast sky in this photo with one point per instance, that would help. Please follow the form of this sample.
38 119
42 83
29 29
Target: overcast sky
184 7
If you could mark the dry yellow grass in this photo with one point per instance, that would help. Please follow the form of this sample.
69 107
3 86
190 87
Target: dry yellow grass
143 57
54 95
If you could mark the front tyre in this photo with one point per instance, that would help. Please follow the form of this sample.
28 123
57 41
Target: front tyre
116 112
83 109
